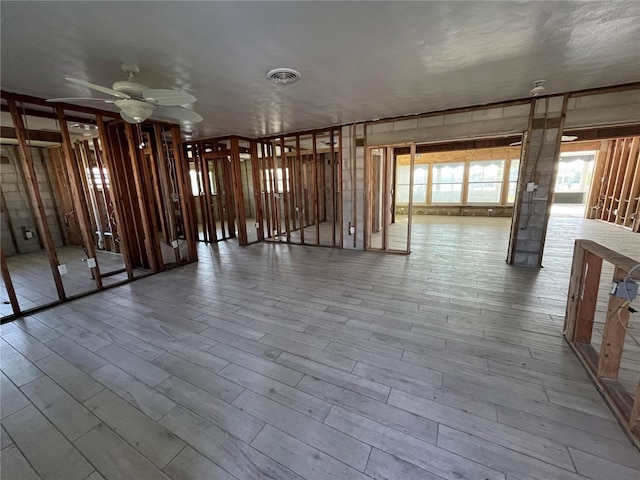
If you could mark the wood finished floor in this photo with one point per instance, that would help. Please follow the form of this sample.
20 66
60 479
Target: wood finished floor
293 362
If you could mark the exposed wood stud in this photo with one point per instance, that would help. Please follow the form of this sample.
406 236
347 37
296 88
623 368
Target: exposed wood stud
8 284
184 191
31 181
78 198
108 161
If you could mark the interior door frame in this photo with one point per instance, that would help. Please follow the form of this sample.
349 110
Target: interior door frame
389 177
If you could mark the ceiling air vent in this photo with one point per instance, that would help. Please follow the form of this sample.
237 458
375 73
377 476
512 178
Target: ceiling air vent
283 76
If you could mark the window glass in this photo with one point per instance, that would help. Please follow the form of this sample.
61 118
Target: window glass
514 170
447 183
485 181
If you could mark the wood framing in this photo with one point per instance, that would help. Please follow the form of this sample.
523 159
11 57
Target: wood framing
580 311
31 181
116 189
8 284
615 193
79 200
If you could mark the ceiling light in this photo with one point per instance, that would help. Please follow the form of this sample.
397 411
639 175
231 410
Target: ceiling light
538 88
138 110
283 76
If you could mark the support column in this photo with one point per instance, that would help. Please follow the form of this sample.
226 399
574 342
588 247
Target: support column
538 171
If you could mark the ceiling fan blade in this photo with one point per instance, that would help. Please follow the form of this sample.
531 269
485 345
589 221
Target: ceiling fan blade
71 99
178 113
167 98
99 88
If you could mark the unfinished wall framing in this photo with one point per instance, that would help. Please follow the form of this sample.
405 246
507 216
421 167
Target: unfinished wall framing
616 197
603 366
97 200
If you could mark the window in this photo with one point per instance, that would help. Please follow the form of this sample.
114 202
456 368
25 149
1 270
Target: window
514 170
447 183
420 174
485 181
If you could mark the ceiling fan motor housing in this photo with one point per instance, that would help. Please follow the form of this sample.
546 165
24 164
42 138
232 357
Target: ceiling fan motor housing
133 89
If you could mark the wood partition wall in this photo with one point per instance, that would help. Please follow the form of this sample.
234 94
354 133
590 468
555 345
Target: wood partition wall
278 189
616 199
604 365
121 191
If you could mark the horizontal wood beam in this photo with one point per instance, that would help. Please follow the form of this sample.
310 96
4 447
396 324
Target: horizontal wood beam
38 135
31 112
18 97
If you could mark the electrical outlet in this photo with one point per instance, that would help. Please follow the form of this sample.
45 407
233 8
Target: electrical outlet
531 186
91 262
352 230
62 268
618 289
28 234
174 244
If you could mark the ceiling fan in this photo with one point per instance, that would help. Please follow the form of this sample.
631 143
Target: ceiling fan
138 102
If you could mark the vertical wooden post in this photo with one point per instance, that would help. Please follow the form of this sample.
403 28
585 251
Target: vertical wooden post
238 194
109 161
302 219
285 190
411 180
264 167
76 195
257 197
145 214
8 284
98 198
340 187
588 297
614 332
315 187
184 187
334 210
275 197
170 211
106 194
34 195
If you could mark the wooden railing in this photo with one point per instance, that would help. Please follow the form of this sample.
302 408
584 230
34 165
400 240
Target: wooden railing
602 366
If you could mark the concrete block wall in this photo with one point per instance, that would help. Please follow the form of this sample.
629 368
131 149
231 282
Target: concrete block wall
18 202
453 126
603 109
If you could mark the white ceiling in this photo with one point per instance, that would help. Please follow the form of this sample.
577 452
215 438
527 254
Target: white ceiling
359 60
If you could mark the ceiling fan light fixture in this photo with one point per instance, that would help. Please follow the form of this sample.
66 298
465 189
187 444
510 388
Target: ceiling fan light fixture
138 110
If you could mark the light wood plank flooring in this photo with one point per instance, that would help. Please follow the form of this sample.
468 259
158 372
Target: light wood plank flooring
291 362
